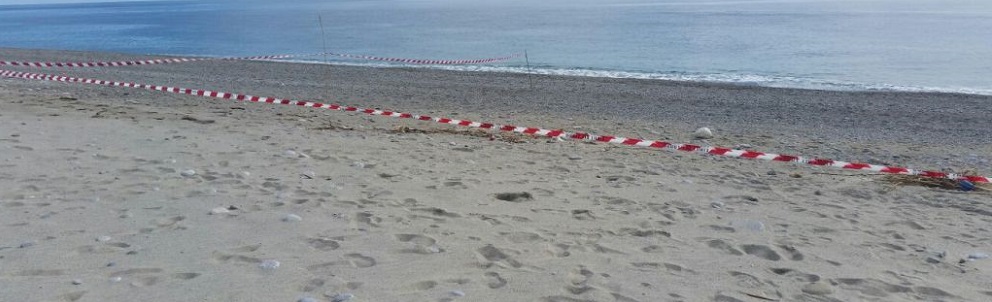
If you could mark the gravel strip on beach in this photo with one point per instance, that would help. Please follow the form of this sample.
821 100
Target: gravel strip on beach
924 130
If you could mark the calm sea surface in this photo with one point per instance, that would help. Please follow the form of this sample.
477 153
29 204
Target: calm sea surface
912 45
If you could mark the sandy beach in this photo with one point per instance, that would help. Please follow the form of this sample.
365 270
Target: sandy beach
117 194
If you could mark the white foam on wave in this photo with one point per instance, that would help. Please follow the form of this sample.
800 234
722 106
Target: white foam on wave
719 78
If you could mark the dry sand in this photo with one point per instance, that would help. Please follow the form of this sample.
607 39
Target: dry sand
108 197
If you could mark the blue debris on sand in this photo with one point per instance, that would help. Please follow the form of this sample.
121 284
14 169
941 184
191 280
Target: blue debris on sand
966 185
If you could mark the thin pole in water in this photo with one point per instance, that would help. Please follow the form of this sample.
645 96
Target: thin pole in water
530 73
323 35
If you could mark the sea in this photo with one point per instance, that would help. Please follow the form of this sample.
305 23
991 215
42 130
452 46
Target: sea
900 45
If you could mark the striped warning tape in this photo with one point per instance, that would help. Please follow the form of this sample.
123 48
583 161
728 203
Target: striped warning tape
428 62
525 130
272 57
140 62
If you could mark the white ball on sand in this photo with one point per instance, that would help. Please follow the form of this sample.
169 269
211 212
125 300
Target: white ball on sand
703 133
219 211
292 218
269 265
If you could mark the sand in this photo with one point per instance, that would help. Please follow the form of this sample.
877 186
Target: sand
112 194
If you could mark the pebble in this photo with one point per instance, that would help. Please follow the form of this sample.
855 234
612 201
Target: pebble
269 264
703 133
936 258
292 218
77 282
434 249
457 293
188 173
977 256
219 211
103 238
362 165
818 288
342 297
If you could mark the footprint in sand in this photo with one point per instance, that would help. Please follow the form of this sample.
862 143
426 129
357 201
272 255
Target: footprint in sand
359 260
558 250
761 251
103 249
415 238
73 296
871 287
564 299
185 276
364 221
796 275
169 222
40 273
139 276
313 285
438 212
521 237
136 271
323 244
746 280
355 260
580 275
724 246
495 280
421 244
489 255
423 285
145 281
794 253
248 248
655 266
219 257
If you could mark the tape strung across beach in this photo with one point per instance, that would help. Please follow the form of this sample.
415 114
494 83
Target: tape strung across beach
428 62
718 151
141 62
272 57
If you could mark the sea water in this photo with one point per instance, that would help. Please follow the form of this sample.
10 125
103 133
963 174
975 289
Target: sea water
907 45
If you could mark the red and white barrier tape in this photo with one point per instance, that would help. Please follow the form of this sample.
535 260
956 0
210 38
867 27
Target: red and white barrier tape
140 62
428 62
193 59
525 130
